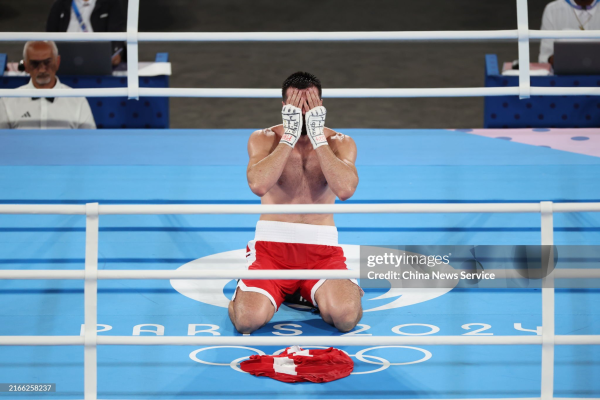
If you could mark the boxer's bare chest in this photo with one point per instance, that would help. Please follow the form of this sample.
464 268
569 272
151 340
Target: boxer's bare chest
302 174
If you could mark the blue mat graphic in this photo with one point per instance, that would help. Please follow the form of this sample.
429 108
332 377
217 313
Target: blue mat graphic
208 166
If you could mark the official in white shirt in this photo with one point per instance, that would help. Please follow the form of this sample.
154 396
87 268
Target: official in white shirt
567 15
41 61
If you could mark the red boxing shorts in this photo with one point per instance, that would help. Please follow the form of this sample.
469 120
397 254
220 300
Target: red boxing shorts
285 245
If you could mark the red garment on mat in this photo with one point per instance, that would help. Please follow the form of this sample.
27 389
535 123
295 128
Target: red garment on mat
298 365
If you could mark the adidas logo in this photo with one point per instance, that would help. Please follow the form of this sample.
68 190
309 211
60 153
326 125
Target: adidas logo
26 115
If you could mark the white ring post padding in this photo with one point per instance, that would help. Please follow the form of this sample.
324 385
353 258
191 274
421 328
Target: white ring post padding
547 222
91 301
523 30
547 230
133 80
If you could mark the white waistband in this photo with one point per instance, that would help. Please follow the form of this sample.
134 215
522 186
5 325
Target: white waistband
287 232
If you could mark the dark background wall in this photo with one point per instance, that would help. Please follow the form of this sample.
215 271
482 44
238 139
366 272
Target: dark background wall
337 64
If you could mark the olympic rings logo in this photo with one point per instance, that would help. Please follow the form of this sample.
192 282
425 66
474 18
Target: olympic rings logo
360 355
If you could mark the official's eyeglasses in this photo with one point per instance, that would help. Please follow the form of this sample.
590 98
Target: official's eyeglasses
35 64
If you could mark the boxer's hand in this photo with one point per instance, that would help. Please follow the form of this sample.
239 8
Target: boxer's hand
315 118
315 124
292 119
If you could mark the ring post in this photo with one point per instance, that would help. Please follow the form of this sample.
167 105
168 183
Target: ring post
523 31
133 80
547 303
90 290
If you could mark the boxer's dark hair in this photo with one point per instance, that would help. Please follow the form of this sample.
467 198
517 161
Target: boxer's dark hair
300 80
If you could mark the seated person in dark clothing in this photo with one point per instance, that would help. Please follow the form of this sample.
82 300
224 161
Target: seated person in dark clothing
90 16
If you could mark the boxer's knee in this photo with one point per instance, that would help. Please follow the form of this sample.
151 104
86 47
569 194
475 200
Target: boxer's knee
248 323
250 311
345 317
339 304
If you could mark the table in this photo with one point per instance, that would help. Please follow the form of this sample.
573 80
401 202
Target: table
540 111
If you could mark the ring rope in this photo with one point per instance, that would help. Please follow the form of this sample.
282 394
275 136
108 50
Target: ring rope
571 273
327 93
399 208
508 340
132 37
512 34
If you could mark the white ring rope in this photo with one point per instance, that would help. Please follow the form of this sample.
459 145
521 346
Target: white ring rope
133 37
570 273
172 209
327 93
508 340
512 34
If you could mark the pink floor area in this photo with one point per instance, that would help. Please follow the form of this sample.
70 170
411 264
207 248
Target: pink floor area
581 141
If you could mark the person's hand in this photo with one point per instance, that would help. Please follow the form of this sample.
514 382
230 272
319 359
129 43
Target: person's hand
551 60
116 59
315 118
292 118
312 98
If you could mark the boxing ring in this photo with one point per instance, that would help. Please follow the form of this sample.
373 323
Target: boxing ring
200 212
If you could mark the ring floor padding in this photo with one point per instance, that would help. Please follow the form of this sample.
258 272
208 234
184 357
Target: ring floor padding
208 166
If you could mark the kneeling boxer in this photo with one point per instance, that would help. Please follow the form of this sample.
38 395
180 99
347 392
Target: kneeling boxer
298 162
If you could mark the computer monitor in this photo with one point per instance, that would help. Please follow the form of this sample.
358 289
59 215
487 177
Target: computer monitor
85 58
576 58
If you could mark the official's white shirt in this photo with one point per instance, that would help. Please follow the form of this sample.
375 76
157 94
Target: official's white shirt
62 113
560 15
85 9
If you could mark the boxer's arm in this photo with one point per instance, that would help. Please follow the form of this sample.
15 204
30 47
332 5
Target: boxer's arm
338 167
265 166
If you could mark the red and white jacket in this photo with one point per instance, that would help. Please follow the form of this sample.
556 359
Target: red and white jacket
299 365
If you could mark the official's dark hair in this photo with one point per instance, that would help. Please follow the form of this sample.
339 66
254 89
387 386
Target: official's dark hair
300 80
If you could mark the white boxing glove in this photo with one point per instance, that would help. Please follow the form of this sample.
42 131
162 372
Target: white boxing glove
292 125
315 124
